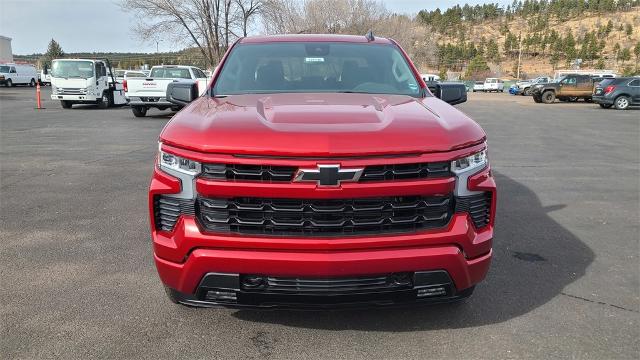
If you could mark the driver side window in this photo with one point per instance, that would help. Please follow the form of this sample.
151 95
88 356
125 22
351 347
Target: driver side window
569 81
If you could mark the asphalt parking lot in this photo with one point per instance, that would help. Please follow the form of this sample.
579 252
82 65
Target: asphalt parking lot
78 280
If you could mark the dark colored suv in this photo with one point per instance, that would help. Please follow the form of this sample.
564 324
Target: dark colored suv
620 92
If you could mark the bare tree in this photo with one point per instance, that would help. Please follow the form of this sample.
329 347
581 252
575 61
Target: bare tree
247 10
350 17
283 16
208 25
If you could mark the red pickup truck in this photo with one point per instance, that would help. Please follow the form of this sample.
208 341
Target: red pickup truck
320 171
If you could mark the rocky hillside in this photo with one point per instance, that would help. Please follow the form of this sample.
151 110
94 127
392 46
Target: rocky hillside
549 39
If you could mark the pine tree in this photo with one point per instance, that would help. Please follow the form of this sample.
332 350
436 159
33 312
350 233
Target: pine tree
625 55
54 51
628 29
636 52
616 51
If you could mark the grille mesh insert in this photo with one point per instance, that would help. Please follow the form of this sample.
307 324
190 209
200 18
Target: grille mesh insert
318 217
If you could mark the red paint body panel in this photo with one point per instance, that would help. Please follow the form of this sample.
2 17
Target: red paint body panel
303 130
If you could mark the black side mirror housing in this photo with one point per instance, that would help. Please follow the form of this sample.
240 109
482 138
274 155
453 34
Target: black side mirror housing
451 93
182 92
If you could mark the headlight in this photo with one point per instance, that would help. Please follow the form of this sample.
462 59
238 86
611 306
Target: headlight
468 163
173 162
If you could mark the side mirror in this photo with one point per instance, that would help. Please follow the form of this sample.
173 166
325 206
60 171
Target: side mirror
451 93
182 92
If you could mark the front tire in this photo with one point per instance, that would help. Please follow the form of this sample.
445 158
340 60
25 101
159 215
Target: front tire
9 83
105 101
526 92
548 97
66 104
606 106
139 111
537 99
622 102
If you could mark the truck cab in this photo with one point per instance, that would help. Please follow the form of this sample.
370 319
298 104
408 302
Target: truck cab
85 81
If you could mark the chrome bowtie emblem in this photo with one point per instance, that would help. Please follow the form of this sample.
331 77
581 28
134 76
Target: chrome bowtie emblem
328 175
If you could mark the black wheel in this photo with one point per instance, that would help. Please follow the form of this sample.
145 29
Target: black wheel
105 101
548 97
9 83
32 83
606 106
527 92
139 111
537 99
66 104
622 102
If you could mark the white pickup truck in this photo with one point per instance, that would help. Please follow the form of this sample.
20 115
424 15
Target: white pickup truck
145 93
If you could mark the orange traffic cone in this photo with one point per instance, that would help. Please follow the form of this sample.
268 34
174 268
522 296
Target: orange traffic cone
38 101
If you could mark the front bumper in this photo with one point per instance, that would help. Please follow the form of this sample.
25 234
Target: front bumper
187 254
216 289
74 98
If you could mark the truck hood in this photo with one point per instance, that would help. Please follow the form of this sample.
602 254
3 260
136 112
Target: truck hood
320 125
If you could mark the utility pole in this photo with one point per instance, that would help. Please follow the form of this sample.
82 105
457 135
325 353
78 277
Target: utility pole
519 55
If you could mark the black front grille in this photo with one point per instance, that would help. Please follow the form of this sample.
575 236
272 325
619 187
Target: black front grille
323 286
405 171
239 172
168 209
273 173
318 217
478 206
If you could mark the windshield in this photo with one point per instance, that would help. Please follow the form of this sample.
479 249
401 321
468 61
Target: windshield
72 69
170 73
4 69
316 67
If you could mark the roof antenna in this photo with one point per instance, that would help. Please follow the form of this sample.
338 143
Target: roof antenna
370 36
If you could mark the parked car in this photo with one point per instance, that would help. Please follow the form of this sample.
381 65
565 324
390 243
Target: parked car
478 86
320 171
18 74
493 84
570 88
150 92
524 87
621 92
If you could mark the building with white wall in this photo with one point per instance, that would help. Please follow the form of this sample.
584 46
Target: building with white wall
6 54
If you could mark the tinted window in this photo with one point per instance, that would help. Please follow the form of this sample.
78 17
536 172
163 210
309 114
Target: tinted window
635 82
605 82
4 69
316 67
198 73
72 69
170 73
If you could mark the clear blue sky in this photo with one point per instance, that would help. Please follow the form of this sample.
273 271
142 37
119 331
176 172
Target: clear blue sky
100 25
